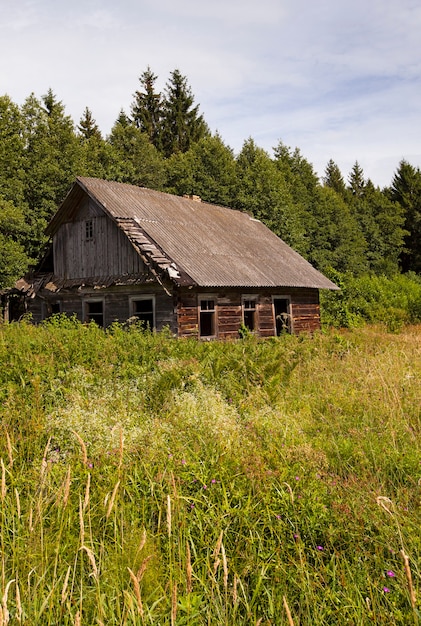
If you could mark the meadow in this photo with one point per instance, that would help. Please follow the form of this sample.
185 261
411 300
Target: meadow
148 480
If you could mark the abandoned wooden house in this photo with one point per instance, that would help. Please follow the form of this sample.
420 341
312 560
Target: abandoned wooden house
120 251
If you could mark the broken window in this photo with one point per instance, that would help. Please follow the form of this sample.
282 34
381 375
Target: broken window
94 312
89 230
249 313
144 310
207 318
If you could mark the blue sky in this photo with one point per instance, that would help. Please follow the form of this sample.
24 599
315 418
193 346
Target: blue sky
339 80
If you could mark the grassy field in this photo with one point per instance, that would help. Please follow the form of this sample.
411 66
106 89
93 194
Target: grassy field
146 480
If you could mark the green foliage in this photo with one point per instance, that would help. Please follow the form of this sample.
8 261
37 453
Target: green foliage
146 480
392 301
13 259
406 190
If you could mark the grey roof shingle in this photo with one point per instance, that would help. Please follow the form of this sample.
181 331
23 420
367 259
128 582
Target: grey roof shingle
203 244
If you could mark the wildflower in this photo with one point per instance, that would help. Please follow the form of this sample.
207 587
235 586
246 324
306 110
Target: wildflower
183 461
297 478
386 589
213 481
205 486
390 573
320 548
278 516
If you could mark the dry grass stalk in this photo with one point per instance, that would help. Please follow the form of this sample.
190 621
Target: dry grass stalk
83 447
143 567
9 449
225 566
19 612
5 611
87 490
111 502
66 488
65 584
409 579
290 492
142 541
169 515
216 552
44 463
259 621
136 587
174 604
92 561
30 520
234 590
189 570
81 522
78 621
288 612
3 480
385 503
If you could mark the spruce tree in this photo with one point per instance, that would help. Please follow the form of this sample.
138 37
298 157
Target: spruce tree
406 190
182 125
146 108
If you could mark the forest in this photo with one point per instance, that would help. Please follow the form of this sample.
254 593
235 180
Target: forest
346 226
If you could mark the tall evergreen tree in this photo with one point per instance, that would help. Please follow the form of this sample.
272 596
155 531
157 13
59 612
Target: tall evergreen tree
88 128
51 162
146 108
13 259
406 190
333 178
182 125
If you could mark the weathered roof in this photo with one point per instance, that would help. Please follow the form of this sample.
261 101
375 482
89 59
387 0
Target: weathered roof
195 242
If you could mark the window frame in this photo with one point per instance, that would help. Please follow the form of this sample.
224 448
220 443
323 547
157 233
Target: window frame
212 313
134 299
87 315
89 230
248 298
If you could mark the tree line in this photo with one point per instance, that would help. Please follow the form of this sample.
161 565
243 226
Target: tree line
164 143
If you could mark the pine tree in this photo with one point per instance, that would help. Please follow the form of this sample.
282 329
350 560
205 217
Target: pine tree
11 151
333 178
406 190
88 128
181 123
146 108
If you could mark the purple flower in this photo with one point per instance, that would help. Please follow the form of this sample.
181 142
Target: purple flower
390 573
205 486
320 548
386 589
183 461
297 478
213 481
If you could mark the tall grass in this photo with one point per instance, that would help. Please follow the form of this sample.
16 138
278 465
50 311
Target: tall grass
146 480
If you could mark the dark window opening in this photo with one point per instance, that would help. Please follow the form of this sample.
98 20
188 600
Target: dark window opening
249 314
143 310
207 318
55 308
95 312
89 230
282 315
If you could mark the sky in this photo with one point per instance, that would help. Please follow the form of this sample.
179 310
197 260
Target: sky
337 79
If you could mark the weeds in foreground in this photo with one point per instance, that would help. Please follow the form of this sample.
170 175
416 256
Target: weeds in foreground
152 481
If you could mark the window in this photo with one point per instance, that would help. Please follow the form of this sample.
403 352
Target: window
94 311
249 312
89 230
281 308
55 308
144 310
207 318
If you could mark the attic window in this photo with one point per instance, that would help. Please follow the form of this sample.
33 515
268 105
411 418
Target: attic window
89 230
